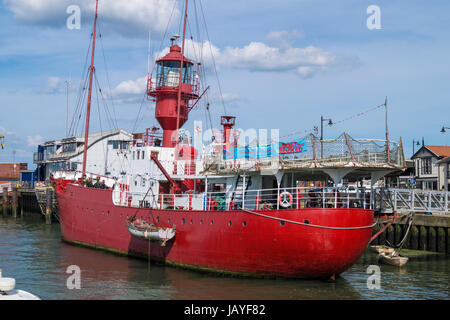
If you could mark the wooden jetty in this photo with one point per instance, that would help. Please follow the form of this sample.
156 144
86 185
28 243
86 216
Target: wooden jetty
18 200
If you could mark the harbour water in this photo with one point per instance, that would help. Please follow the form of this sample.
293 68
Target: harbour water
34 254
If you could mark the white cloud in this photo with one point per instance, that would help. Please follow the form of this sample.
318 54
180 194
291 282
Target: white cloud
35 140
137 86
231 97
282 39
131 17
4 131
258 56
130 91
53 85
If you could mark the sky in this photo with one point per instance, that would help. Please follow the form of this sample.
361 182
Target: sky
273 64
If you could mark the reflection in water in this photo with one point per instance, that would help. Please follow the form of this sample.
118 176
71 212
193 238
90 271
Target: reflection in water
34 254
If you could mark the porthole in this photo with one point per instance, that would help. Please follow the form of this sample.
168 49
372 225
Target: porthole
201 221
157 219
168 220
212 222
282 223
192 221
108 213
244 223
184 220
307 221
229 223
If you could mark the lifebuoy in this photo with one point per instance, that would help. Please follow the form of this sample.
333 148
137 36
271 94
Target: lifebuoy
285 199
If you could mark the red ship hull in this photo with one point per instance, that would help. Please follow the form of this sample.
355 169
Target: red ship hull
235 242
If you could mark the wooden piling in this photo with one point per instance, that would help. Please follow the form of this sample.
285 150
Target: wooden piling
432 239
390 234
48 206
376 241
398 234
414 239
14 202
423 238
5 201
441 240
447 236
21 205
407 243
382 236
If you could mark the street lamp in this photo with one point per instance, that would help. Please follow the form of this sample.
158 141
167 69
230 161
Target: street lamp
443 129
415 143
330 123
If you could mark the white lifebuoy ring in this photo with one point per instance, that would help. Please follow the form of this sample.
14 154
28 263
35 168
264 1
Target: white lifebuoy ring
285 199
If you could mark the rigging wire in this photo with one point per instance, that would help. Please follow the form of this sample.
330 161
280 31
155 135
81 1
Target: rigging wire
213 60
359 114
356 115
108 79
80 97
154 65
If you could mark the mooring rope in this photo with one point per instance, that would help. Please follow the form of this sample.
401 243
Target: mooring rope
307 224
400 244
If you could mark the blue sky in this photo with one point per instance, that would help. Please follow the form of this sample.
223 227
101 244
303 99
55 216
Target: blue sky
281 64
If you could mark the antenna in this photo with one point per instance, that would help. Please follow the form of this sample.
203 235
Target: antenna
148 58
68 82
174 38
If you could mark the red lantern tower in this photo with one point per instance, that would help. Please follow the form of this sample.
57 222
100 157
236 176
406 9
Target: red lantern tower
174 90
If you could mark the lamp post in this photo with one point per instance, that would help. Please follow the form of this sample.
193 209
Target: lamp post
443 129
330 123
415 143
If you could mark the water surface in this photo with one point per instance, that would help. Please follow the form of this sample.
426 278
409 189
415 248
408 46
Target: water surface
34 254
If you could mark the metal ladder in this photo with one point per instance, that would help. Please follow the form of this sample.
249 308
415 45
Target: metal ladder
238 196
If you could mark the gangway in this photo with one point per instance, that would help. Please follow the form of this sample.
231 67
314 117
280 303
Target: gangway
388 200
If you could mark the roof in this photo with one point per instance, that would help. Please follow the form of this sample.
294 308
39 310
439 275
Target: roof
174 55
445 160
92 139
438 151
441 151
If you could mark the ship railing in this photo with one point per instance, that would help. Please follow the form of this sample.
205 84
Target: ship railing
289 198
263 199
76 175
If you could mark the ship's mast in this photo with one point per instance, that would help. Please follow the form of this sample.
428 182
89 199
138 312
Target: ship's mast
181 73
88 111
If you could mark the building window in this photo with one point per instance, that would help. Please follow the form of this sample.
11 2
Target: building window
69 147
426 165
118 145
124 145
